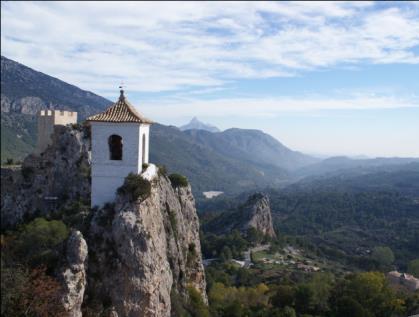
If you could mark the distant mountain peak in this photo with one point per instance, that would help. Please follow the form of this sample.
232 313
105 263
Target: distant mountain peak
195 124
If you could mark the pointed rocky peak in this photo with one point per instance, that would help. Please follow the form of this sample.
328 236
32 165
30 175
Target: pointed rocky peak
195 124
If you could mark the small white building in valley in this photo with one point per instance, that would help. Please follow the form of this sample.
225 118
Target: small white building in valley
120 145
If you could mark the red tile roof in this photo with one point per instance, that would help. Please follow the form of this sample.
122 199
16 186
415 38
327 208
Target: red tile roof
121 111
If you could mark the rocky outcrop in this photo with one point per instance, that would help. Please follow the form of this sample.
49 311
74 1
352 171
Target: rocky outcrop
144 251
49 181
26 105
255 213
73 274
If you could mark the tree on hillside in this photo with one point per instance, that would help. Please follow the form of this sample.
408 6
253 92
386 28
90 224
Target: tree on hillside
284 296
226 254
413 268
383 255
366 294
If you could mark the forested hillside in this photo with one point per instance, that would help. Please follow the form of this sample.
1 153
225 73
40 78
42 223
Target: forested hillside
346 216
252 146
207 168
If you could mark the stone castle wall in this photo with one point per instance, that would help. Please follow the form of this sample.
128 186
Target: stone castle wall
47 119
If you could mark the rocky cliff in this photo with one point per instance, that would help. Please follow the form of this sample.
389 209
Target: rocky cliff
145 250
255 213
133 257
49 182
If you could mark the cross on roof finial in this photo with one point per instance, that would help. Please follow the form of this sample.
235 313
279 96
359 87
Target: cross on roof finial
121 87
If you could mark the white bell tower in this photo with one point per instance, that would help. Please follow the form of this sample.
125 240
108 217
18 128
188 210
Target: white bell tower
120 145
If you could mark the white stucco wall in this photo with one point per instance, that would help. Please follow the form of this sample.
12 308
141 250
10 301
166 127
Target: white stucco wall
108 175
144 130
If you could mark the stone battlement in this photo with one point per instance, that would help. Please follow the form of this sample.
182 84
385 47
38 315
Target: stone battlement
56 113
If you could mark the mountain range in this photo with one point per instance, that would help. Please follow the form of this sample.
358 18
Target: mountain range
252 146
340 164
230 161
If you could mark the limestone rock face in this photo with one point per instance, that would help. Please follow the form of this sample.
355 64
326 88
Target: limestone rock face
258 211
144 251
26 105
48 181
255 213
73 274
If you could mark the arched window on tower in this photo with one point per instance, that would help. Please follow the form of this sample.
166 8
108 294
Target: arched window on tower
115 147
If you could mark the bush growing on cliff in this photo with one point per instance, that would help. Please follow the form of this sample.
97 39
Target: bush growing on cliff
75 214
37 241
76 126
196 305
178 180
104 216
162 170
82 127
135 186
190 306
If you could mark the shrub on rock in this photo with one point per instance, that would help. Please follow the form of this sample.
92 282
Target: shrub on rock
178 180
135 187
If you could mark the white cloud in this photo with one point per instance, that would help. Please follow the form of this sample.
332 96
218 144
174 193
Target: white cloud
269 107
163 46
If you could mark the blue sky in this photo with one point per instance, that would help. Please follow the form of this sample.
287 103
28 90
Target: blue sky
332 78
